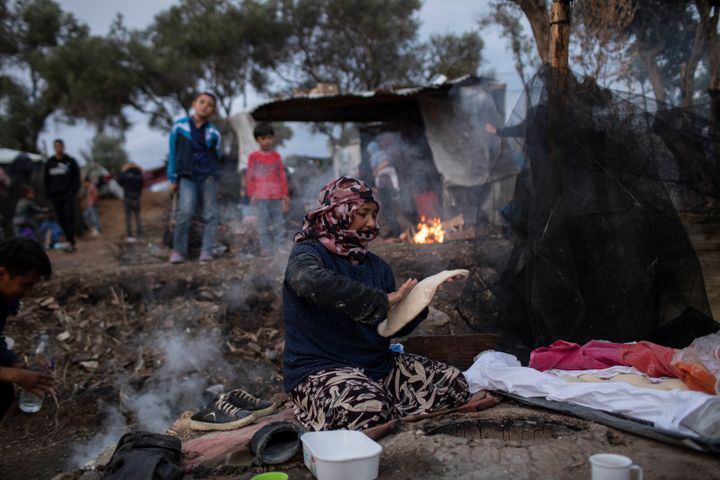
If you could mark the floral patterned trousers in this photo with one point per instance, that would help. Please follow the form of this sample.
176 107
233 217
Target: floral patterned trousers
345 397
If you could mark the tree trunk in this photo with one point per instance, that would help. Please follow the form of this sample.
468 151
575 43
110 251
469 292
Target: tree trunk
711 39
687 70
539 18
559 35
648 60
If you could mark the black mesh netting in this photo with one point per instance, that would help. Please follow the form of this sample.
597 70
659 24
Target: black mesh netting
598 247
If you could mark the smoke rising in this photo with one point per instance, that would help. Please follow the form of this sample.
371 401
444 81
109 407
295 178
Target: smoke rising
189 364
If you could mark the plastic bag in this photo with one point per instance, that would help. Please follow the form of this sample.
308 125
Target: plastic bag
699 364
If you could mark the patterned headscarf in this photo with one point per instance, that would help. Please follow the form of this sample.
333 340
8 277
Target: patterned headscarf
329 223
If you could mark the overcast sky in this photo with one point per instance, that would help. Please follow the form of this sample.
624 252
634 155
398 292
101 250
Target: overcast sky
149 147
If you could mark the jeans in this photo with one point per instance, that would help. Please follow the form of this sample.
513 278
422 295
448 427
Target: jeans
270 223
132 209
52 230
190 191
92 217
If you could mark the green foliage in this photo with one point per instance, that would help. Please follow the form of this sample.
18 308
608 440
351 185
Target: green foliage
221 46
663 32
90 77
33 30
7 40
454 55
106 150
21 120
356 44
506 16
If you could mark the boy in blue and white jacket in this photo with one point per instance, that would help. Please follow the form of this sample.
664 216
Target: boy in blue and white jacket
193 170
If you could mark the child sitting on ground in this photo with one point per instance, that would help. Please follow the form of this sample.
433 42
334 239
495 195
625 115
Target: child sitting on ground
268 190
338 370
26 212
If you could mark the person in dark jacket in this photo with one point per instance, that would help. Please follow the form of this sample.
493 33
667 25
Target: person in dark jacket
131 180
193 167
62 184
23 262
338 370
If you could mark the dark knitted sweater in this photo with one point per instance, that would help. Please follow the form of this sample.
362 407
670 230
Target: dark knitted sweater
7 356
331 309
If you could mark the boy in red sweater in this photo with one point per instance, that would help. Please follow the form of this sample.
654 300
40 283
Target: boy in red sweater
267 189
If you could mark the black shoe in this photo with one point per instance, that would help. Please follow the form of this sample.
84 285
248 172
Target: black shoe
221 415
241 399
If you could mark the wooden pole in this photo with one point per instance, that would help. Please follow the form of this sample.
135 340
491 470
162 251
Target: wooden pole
559 35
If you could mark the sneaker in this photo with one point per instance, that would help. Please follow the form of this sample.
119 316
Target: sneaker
131 240
94 232
70 248
176 258
221 415
206 257
242 399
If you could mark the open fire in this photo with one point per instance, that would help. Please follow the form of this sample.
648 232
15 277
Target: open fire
429 231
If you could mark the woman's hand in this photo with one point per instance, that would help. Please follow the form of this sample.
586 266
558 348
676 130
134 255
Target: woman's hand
396 297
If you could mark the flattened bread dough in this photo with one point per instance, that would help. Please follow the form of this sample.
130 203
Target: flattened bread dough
637 380
415 301
632 379
673 384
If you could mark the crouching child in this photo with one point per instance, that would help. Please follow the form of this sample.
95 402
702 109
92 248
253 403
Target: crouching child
23 262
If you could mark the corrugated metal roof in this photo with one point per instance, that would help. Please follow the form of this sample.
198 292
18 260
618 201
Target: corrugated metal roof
369 106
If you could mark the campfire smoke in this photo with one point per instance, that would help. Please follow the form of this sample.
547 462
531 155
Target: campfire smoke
177 385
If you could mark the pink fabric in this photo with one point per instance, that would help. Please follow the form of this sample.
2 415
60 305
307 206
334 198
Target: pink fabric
564 355
652 359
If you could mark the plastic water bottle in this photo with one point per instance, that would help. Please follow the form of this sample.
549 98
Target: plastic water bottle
39 362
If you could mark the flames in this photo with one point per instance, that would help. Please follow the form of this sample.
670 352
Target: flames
429 231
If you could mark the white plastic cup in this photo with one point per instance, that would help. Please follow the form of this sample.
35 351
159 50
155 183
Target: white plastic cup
609 466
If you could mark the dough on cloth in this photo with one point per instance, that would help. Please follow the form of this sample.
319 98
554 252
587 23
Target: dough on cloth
632 379
589 377
415 301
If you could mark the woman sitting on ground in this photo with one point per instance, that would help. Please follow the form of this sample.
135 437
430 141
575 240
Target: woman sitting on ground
338 371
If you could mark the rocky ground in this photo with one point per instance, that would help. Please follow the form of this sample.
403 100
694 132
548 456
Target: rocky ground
137 342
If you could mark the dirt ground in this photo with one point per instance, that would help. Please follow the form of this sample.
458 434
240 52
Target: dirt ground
138 340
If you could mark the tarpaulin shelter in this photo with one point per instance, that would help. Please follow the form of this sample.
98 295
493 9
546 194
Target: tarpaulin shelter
442 131
600 248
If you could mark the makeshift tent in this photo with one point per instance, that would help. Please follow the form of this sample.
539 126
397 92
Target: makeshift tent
598 247
448 117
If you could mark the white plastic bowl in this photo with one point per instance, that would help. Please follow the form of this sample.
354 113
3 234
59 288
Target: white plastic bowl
341 455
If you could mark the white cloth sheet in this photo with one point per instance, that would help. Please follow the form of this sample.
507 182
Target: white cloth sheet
665 409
